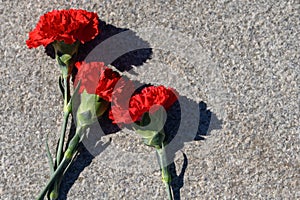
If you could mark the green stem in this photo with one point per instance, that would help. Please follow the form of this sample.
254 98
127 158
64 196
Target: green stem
59 153
62 138
65 121
64 163
166 177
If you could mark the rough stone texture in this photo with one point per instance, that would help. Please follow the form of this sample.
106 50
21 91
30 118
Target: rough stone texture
247 73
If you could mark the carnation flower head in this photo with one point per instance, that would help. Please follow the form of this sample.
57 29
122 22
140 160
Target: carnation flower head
97 79
68 26
143 102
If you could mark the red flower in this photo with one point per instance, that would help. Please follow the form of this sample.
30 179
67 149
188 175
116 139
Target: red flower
142 102
97 79
64 25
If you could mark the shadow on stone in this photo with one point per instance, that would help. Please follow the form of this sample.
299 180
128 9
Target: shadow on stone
187 121
178 180
120 47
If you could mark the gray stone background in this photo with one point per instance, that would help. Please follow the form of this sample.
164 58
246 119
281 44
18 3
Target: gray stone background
241 58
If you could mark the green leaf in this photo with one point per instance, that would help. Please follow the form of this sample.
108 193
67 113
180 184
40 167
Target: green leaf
50 159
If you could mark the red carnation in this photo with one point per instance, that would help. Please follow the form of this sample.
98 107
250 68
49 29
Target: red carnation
97 79
142 102
64 25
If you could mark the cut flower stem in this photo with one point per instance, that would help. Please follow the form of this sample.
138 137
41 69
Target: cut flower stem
67 110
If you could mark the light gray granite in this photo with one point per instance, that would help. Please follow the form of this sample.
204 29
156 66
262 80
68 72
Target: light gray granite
239 57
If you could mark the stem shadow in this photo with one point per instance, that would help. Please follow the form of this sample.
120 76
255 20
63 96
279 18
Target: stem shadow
178 180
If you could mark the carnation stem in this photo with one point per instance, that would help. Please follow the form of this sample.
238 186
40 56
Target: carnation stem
55 191
59 153
62 137
166 177
64 163
65 121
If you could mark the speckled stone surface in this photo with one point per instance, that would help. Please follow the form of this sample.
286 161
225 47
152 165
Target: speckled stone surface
239 58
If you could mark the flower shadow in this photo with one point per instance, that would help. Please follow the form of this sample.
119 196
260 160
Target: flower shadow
120 47
181 128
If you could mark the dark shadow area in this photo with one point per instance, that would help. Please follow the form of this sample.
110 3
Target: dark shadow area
208 121
106 124
182 114
120 47
177 180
